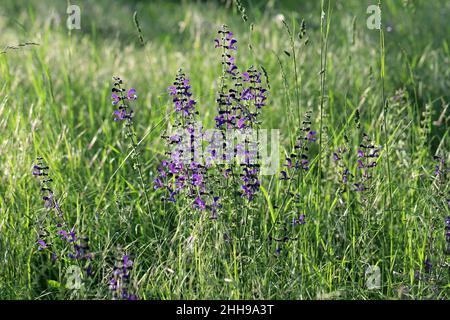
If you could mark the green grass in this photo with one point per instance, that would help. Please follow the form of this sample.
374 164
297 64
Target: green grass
55 102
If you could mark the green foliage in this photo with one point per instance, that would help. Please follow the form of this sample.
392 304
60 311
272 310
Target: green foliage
55 102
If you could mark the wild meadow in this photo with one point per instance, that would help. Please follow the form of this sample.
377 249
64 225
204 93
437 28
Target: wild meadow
122 175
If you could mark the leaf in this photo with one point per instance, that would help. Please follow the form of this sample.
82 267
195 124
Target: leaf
269 204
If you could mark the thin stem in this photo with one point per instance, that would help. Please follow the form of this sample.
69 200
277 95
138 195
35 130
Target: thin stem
137 163
323 67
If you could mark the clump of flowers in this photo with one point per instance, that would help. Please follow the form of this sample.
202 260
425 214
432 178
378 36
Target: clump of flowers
119 283
183 172
240 99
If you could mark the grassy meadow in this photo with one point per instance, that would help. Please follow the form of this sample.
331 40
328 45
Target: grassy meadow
388 88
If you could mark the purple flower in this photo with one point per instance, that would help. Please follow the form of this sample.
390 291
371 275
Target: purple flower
360 164
119 114
120 279
197 179
49 201
247 94
172 195
311 136
42 245
305 164
226 173
180 91
241 123
289 163
374 154
115 99
37 171
131 95
199 204
301 219
158 183
361 154
245 77
251 182
124 111
172 90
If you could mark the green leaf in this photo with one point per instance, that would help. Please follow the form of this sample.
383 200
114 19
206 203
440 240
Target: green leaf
269 204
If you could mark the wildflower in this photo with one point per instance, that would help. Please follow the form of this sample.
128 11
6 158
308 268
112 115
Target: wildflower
199 204
115 99
42 245
124 112
181 174
365 164
311 136
214 206
427 265
131 95
120 279
119 115
250 181
78 248
300 221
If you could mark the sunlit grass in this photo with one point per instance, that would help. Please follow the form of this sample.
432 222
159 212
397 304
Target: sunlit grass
55 102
